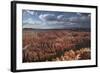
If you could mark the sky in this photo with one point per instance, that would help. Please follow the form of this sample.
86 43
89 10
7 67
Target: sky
54 19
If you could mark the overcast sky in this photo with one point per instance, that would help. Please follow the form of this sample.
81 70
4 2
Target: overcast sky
55 19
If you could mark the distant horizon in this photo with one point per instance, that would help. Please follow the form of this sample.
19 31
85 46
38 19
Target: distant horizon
36 19
60 28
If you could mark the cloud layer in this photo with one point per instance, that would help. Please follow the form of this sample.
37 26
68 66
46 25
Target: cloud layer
51 19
